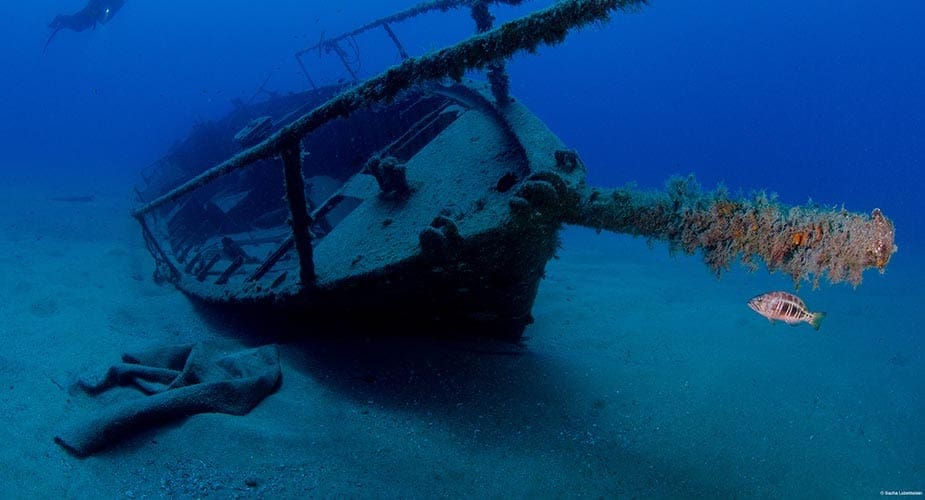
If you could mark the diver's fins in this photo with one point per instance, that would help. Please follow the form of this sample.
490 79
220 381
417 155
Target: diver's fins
53 33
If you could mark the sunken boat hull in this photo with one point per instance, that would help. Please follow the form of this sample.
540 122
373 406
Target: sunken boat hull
420 214
405 201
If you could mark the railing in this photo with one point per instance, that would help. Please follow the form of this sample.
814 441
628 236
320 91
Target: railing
547 26
333 44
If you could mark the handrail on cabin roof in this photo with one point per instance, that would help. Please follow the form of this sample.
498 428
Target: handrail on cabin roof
384 22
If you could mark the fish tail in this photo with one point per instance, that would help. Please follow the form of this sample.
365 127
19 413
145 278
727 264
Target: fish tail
816 320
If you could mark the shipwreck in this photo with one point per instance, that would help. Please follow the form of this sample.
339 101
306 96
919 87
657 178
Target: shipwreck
420 198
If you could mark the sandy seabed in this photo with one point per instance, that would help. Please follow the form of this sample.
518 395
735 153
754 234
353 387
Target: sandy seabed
643 375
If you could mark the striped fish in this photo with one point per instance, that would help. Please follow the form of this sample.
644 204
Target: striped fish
786 307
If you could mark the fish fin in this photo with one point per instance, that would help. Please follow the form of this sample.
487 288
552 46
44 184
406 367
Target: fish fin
817 319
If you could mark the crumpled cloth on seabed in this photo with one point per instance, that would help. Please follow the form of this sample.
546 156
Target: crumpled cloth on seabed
179 381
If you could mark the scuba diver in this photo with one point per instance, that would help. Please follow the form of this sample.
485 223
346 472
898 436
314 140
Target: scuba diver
95 12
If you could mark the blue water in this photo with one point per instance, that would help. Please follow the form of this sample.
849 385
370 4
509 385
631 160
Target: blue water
812 100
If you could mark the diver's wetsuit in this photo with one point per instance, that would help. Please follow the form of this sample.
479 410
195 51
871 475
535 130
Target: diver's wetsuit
95 12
